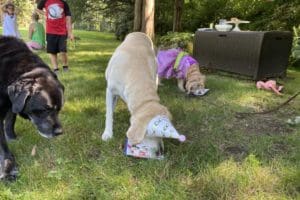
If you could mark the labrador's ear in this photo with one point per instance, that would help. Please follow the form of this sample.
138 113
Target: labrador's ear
136 133
17 96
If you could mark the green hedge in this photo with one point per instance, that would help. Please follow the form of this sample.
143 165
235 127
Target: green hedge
183 40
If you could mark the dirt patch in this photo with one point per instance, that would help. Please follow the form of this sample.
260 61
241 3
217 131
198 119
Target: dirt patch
265 124
278 148
237 152
94 154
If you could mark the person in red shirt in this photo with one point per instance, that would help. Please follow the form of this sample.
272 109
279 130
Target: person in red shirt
58 29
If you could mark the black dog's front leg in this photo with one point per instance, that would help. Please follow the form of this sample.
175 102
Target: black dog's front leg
7 160
9 125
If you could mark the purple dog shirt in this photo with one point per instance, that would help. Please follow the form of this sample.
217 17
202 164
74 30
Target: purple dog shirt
166 60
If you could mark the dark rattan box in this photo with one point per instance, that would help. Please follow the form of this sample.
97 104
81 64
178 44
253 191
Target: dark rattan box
259 54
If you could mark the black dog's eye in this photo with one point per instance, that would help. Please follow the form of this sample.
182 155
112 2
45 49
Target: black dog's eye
37 111
48 107
41 112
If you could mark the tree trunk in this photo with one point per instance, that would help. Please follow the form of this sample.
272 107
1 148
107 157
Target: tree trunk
137 24
144 17
148 18
178 7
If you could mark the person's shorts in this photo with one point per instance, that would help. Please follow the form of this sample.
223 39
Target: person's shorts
56 43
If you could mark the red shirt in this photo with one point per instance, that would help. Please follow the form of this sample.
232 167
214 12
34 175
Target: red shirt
56 12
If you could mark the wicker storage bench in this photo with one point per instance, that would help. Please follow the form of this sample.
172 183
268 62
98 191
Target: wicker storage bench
252 53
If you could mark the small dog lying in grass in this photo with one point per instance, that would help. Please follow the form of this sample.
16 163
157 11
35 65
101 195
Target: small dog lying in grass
175 63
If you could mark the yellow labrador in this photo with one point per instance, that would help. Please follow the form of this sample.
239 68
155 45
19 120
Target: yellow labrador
131 75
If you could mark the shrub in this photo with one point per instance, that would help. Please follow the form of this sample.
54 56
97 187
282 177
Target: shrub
176 39
296 48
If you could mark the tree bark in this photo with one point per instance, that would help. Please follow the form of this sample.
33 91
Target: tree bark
178 7
148 18
137 24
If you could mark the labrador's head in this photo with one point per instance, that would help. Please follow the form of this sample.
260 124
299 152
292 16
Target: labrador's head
39 97
195 81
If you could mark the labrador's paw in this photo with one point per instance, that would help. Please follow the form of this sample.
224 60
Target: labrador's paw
107 135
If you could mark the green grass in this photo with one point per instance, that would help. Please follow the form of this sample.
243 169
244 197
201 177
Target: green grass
225 157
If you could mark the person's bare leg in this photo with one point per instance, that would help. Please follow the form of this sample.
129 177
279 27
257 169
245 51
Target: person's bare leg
64 59
53 58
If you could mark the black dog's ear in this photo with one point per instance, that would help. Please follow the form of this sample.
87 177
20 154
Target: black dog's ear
17 96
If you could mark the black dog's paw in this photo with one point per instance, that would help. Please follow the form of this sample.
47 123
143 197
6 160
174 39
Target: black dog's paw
8 170
10 132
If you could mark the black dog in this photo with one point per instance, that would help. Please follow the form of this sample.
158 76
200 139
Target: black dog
27 87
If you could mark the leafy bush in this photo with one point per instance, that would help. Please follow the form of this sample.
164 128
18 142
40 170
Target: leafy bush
175 39
296 47
122 29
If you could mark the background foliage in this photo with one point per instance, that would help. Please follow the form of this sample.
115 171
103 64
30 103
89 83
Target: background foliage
295 58
117 15
263 14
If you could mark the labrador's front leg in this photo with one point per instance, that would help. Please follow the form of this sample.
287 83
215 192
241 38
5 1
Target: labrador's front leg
9 125
111 101
7 161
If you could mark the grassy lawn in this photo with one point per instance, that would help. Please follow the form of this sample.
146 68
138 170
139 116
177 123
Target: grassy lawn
225 157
